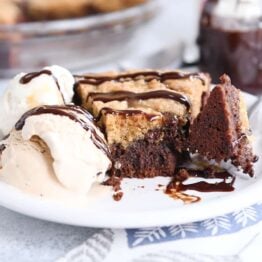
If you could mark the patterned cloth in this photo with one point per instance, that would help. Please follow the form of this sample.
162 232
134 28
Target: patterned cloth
226 224
224 238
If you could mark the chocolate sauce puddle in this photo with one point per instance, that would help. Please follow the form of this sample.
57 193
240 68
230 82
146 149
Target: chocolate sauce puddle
176 187
30 76
67 111
207 187
127 95
145 75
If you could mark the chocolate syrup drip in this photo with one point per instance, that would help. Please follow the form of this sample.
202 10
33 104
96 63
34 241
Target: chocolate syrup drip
2 148
177 184
146 75
77 100
126 95
30 76
107 110
5 137
70 111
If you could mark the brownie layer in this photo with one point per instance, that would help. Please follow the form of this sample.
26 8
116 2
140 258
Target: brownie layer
156 154
144 158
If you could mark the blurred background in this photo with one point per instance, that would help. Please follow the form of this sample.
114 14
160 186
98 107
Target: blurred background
95 40
97 35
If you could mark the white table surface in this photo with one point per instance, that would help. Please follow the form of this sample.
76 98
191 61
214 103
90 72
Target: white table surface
27 239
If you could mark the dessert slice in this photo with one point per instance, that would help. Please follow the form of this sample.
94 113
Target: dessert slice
221 131
144 116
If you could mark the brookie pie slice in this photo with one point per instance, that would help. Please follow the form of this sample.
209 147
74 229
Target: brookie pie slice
221 131
144 116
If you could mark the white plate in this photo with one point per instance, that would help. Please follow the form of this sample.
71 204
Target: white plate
140 207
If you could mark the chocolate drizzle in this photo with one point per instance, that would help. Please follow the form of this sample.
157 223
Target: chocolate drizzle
2 148
126 95
30 76
145 75
74 113
107 110
176 186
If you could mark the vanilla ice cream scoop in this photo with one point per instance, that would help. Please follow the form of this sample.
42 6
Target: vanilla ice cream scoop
50 86
78 154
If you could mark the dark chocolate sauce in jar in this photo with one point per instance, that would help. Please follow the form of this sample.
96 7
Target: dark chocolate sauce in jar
126 95
74 113
232 45
30 76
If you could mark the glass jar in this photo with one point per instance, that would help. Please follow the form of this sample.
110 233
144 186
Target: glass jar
230 41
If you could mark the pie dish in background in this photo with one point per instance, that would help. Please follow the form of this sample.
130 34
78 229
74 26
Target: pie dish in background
20 11
28 46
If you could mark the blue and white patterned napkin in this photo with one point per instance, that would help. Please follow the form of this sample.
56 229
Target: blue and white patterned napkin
225 238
